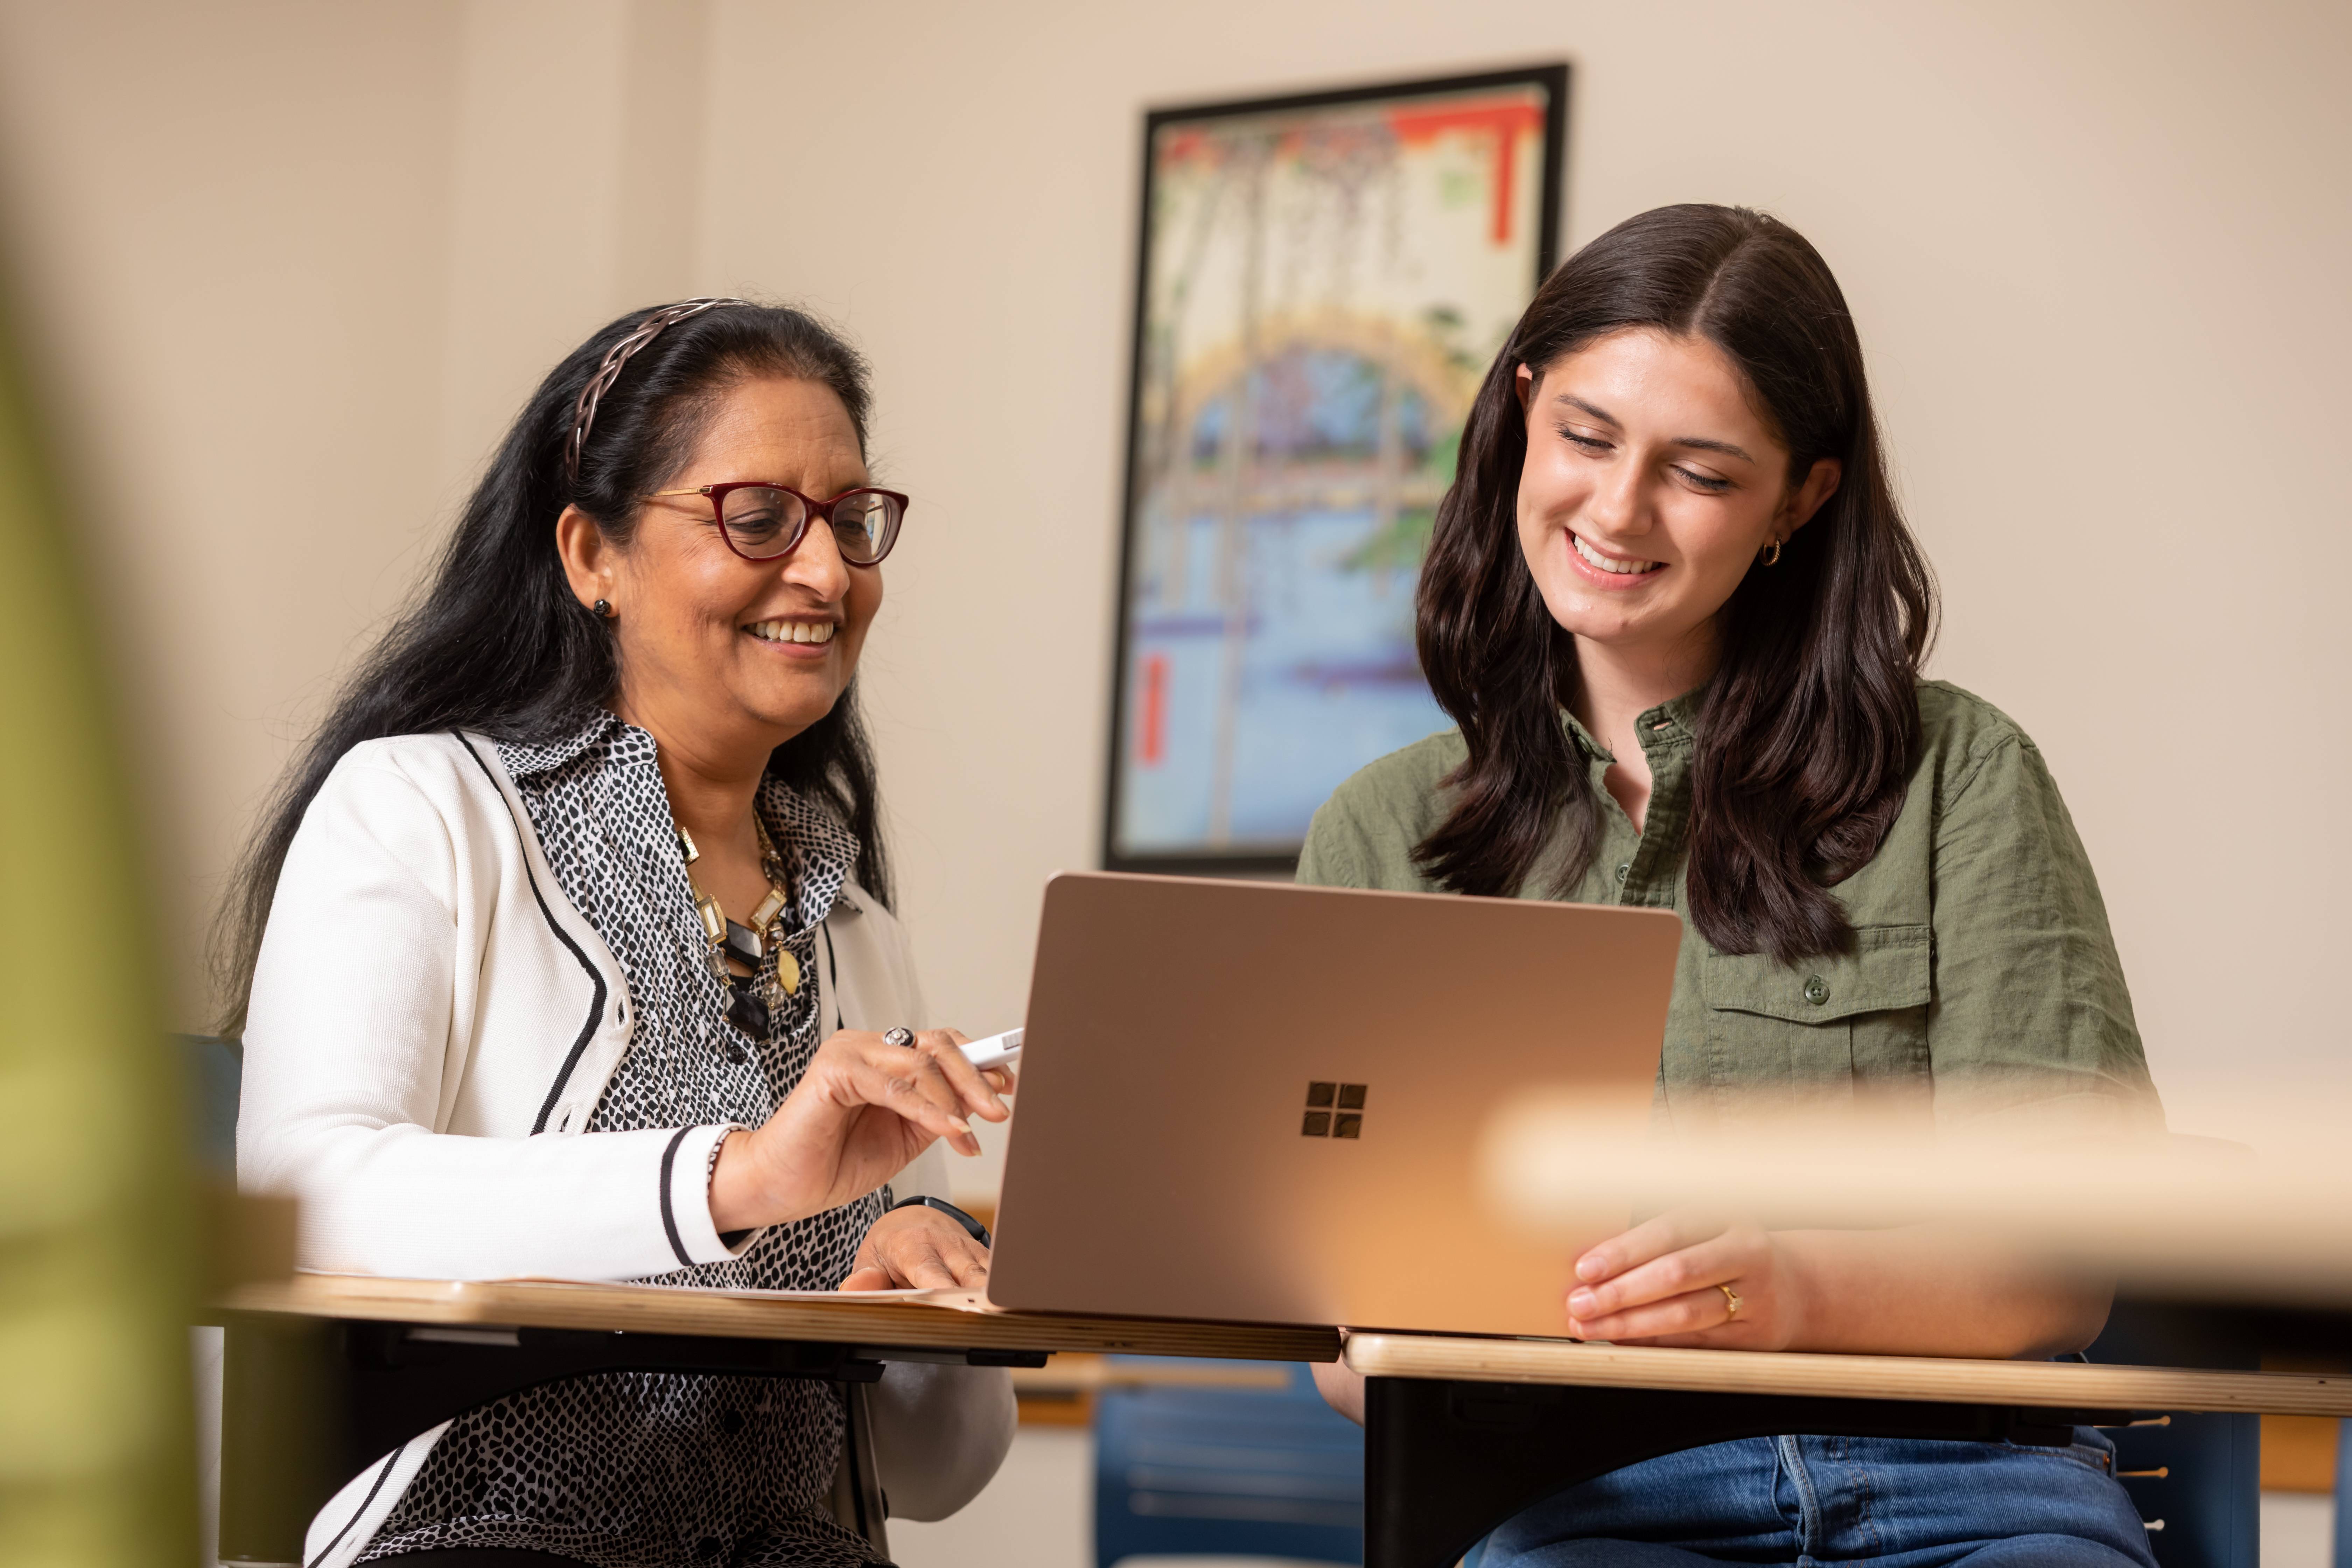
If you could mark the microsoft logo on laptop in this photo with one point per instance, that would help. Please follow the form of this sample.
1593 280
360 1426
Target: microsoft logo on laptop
1334 1110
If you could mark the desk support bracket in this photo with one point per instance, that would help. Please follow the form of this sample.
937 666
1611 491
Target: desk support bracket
402 1383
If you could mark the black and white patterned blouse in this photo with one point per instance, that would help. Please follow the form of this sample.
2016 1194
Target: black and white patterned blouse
653 1469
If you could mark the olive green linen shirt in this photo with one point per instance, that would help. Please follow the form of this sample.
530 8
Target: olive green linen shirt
1982 981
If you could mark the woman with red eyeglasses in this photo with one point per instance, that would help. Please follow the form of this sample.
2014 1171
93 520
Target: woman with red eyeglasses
565 950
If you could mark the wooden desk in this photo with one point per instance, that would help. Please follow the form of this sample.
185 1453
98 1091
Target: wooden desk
1062 1394
886 1324
326 1373
1461 1433
1917 1379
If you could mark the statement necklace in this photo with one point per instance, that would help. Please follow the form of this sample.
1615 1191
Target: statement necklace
747 1009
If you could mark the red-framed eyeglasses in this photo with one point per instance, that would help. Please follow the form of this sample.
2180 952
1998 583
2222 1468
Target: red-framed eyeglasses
760 522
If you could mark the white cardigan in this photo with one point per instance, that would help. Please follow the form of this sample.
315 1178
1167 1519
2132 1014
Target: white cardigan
432 1023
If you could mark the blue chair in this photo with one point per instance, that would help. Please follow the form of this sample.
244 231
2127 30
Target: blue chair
2342 1555
1231 1472
213 1070
2195 1478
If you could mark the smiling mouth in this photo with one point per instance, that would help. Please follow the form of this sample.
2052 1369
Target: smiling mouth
1618 566
791 631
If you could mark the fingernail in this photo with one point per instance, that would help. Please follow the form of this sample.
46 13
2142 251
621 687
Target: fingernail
1582 1302
960 1125
1590 1269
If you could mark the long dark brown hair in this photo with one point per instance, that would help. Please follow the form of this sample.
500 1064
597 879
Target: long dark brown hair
1808 730
497 644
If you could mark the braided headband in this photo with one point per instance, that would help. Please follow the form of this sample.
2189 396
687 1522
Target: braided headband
583 411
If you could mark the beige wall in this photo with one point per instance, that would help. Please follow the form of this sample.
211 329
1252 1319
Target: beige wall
300 262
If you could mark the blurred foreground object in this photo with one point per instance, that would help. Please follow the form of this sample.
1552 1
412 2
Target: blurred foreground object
250 1238
2163 1214
96 1216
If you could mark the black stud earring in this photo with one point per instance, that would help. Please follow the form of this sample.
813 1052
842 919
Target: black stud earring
603 609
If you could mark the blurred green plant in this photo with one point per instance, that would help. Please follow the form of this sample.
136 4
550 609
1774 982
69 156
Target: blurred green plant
98 1228
1399 547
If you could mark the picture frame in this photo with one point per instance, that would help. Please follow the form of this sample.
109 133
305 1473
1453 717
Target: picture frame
1322 281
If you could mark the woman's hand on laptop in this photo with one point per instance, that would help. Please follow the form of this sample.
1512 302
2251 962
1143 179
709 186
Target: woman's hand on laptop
1689 1278
861 1111
918 1248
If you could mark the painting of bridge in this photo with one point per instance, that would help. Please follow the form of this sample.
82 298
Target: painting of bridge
1323 281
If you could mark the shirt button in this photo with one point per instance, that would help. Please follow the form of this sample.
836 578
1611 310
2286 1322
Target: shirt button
1624 870
1817 990
735 1053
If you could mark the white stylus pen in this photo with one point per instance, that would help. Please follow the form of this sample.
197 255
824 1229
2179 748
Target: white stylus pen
996 1051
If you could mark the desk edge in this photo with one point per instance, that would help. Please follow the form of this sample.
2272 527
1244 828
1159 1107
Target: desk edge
1918 1379
563 1305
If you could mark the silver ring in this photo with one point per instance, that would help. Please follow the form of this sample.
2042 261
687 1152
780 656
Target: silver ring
901 1035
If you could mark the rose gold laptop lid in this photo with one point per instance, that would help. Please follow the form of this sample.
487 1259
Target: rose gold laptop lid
1261 1103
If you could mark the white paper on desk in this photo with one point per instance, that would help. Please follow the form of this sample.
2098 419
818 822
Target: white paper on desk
959 1300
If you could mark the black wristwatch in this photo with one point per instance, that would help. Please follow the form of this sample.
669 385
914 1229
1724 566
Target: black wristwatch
973 1227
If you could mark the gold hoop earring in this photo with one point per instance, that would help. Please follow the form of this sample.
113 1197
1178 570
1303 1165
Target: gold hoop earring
1773 557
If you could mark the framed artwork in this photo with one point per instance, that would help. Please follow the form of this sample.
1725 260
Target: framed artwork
1323 283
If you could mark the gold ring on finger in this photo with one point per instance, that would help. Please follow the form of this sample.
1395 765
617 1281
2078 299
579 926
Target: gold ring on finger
1730 1302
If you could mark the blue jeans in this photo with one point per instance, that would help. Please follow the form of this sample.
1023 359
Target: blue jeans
1896 1502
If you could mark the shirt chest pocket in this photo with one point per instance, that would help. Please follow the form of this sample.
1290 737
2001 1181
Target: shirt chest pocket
1824 1029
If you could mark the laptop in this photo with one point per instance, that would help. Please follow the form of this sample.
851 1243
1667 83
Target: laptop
1251 1102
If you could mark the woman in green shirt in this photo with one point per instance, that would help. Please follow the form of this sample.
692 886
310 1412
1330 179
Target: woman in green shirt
1677 615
